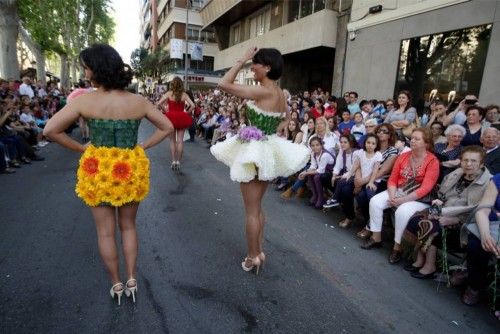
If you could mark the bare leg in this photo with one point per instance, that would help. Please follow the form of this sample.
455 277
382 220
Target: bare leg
127 215
262 218
179 144
172 146
420 260
105 221
252 197
430 261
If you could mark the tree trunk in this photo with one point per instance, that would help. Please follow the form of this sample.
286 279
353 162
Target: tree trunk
37 52
9 25
74 65
64 71
341 47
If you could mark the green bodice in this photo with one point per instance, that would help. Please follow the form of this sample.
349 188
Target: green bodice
117 133
266 121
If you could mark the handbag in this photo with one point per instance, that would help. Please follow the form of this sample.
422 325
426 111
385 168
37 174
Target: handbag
413 185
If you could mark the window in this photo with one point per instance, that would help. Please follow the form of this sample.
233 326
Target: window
302 8
447 61
193 33
235 34
197 3
260 23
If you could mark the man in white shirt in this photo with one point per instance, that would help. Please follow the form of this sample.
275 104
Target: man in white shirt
25 88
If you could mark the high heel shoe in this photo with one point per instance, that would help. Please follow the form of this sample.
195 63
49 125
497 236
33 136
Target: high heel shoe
255 264
131 288
118 292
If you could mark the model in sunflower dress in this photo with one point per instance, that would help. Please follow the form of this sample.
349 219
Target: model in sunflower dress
257 155
174 102
113 175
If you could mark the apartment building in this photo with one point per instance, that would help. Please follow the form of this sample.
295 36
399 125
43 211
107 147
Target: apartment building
163 22
303 30
451 47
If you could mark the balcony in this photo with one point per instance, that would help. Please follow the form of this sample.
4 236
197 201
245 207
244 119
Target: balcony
225 12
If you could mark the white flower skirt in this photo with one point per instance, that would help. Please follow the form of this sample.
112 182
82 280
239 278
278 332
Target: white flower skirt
266 159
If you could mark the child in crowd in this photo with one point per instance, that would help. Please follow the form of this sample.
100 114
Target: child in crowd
343 164
401 144
347 123
358 129
319 172
367 161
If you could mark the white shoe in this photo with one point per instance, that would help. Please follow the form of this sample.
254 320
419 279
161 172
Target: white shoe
331 203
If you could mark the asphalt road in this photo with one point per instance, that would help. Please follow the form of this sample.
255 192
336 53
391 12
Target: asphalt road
316 279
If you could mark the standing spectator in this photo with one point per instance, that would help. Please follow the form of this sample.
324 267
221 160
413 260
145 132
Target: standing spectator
489 139
473 126
25 88
404 115
353 105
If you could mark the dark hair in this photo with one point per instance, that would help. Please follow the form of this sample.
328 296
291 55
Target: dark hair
350 139
354 93
408 95
438 123
270 57
474 149
108 69
318 139
392 132
481 110
372 135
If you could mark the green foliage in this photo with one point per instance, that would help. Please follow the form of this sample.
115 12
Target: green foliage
153 64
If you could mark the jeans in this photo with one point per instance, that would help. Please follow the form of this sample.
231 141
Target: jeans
477 263
3 163
344 190
364 197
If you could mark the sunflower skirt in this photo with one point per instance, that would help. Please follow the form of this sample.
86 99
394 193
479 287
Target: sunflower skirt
112 176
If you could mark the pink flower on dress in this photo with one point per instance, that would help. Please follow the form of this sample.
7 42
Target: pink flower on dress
249 133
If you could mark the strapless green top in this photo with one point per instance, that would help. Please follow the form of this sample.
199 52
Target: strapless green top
114 133
266 121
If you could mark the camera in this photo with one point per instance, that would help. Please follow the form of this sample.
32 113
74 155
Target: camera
435 210
470 101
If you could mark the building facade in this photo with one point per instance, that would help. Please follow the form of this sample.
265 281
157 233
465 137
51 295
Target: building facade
451 47
303 30
163 22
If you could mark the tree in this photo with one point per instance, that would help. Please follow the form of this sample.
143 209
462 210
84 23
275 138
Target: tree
9 68
137 62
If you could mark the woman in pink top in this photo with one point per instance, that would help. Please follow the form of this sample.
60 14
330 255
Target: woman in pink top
419 165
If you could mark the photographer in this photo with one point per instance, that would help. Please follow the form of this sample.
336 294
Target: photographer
459 194
458 115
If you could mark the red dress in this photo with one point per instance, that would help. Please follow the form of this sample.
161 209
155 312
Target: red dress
176 114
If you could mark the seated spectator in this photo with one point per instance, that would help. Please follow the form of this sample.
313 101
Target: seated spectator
438 113
322 131
343 164
347 123
4 168
370 125
437 130
308 129
403 115
489 139
28 119
414 176
367 162
389 106
378 109
330 107
491 116
358 129
483 243
458 195
319 173
473 126
449 153
387 138
353 105
367 110
317 110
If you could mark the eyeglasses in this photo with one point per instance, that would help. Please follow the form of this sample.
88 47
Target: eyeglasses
385 132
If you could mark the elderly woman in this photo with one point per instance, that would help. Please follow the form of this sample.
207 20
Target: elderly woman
449 153
322 131
473 126
387 137
491 116
414 176
483 242
403 114
458 195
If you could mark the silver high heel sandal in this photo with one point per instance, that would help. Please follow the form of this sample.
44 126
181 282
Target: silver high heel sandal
118 292
131 290
255 264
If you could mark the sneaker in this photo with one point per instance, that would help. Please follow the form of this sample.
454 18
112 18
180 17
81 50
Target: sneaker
331 203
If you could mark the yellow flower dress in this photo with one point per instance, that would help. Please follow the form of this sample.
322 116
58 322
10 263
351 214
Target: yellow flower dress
113 170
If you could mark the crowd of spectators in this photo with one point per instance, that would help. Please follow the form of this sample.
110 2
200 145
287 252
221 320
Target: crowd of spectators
24 110
383 163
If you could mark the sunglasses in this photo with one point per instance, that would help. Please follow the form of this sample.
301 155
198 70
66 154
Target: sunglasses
385 132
